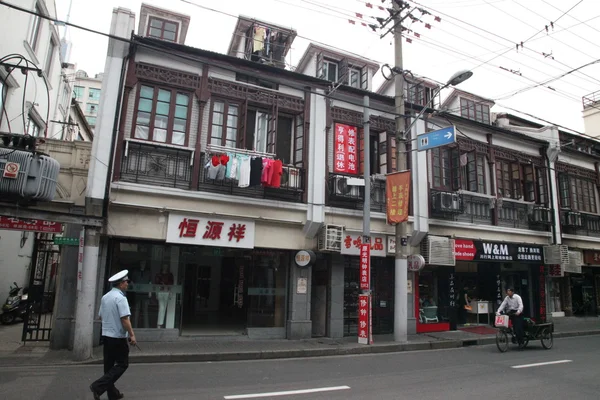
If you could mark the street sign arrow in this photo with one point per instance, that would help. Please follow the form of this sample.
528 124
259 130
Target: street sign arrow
441 137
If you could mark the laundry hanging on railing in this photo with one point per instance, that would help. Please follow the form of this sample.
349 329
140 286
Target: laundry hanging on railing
248 170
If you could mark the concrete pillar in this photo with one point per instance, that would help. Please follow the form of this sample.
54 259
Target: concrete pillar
336 302
299 324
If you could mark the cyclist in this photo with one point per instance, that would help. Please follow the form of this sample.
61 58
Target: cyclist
514 308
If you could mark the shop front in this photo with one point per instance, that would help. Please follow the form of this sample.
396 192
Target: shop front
585 288
469 293
207 278
382 284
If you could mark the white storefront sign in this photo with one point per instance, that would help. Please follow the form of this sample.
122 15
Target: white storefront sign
210 231
351 242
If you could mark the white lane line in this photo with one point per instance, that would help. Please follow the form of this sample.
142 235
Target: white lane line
287 393
542 364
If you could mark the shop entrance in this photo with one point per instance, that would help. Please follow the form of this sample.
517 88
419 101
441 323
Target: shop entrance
213 296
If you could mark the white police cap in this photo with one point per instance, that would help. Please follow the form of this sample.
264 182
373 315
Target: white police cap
119 276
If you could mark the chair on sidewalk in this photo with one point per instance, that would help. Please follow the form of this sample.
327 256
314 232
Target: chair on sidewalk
428 314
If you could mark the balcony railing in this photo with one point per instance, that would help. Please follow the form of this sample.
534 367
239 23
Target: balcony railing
157 165
578 223
292 185
513 214
460 207
590 100
343 195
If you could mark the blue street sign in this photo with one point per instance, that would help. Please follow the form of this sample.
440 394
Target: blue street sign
441 137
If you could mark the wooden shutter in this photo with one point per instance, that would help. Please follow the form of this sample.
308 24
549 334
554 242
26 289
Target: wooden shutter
298 144
272 130
242 125
343 72
393 166
320 69
383 153
364 78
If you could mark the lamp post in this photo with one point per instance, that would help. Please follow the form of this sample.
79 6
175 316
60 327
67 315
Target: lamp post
402 132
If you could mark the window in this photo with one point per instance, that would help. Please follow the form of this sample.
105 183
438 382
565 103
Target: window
417 94
473 172
577 194
91 108
475 111
224 128
508 178
354 77
330 71
91 121
32 128
50 57
34 37
161 29
78 92
256 134
94 94
445 163
162 115
542 186
256 81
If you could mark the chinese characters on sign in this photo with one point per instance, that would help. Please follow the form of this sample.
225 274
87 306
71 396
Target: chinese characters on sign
477 250
211 231
351 243
397 191
365 266
498 291
451 292
591 257
80 259
363 319
542 294
32 225
345 155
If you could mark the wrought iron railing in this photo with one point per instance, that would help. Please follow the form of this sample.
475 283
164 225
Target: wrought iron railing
513 215
579 223
156 165
470 208
343 195
291 189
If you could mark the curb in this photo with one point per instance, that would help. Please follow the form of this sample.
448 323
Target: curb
297 353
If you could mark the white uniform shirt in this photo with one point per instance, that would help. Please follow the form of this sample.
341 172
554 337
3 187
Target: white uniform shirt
516 304
113 307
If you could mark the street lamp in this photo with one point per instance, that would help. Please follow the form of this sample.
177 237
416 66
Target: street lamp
401 262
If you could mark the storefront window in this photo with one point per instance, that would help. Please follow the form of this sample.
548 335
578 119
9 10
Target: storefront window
429 312
154 293
267 289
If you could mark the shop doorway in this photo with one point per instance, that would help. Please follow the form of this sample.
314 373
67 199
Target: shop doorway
213 297
520 282
583 295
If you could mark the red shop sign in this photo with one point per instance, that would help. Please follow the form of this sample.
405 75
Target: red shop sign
365 266
31 225
345 152
363 319
464 250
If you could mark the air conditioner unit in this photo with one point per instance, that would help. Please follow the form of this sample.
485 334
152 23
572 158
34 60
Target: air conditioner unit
438 250
572 219
447 202
343 189
540 215
330 238
290 178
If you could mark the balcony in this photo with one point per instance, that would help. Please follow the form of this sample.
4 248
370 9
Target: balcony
347 196
292 185
157 165
579 223
590 100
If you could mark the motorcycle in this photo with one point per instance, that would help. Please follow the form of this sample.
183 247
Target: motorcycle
15 305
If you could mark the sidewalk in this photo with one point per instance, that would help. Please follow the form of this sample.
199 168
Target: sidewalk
13 353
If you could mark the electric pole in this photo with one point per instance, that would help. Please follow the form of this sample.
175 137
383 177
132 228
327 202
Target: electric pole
400 262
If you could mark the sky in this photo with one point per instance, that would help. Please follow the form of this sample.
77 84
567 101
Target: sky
523 53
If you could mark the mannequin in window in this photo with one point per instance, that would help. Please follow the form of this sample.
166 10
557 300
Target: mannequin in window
140 276
164 279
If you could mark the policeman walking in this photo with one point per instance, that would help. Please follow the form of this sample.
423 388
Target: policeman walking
116 331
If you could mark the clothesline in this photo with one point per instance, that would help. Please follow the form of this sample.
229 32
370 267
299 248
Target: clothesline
223 149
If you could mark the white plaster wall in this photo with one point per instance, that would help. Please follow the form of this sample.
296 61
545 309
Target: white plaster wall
220 73
591 121
498 140
158 58
15 260
579 161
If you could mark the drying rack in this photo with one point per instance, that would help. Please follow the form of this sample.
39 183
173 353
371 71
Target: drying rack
211 148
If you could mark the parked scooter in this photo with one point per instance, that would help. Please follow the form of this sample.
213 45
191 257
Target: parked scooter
15 305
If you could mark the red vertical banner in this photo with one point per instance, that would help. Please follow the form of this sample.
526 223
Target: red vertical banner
397 191
364 325
345 154
542 293
365 266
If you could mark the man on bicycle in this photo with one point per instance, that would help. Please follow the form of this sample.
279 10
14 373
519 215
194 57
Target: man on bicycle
514 308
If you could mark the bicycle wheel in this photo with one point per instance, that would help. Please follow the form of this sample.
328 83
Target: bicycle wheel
547 339
502 341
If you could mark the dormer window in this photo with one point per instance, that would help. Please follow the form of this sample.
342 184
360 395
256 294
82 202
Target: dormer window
475 111
330 70
162 29
354 77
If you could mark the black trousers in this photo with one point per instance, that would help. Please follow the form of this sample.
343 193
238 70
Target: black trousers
116 361
518 327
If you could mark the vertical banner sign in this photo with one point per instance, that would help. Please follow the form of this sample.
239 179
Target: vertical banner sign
363 319
542 293
451 291
365 266
498 291
397 191
80 259
345 150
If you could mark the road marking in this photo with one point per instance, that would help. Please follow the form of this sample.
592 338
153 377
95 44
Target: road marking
542 364
287 393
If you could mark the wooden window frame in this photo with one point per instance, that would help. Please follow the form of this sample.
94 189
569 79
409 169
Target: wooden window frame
50 56
470 109
34 35
174 91
226 104
451 181
162 28
579 193
475 164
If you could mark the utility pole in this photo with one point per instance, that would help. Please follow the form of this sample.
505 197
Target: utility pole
367 200
400 262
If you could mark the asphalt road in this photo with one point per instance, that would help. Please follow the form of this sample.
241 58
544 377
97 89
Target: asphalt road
569 370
